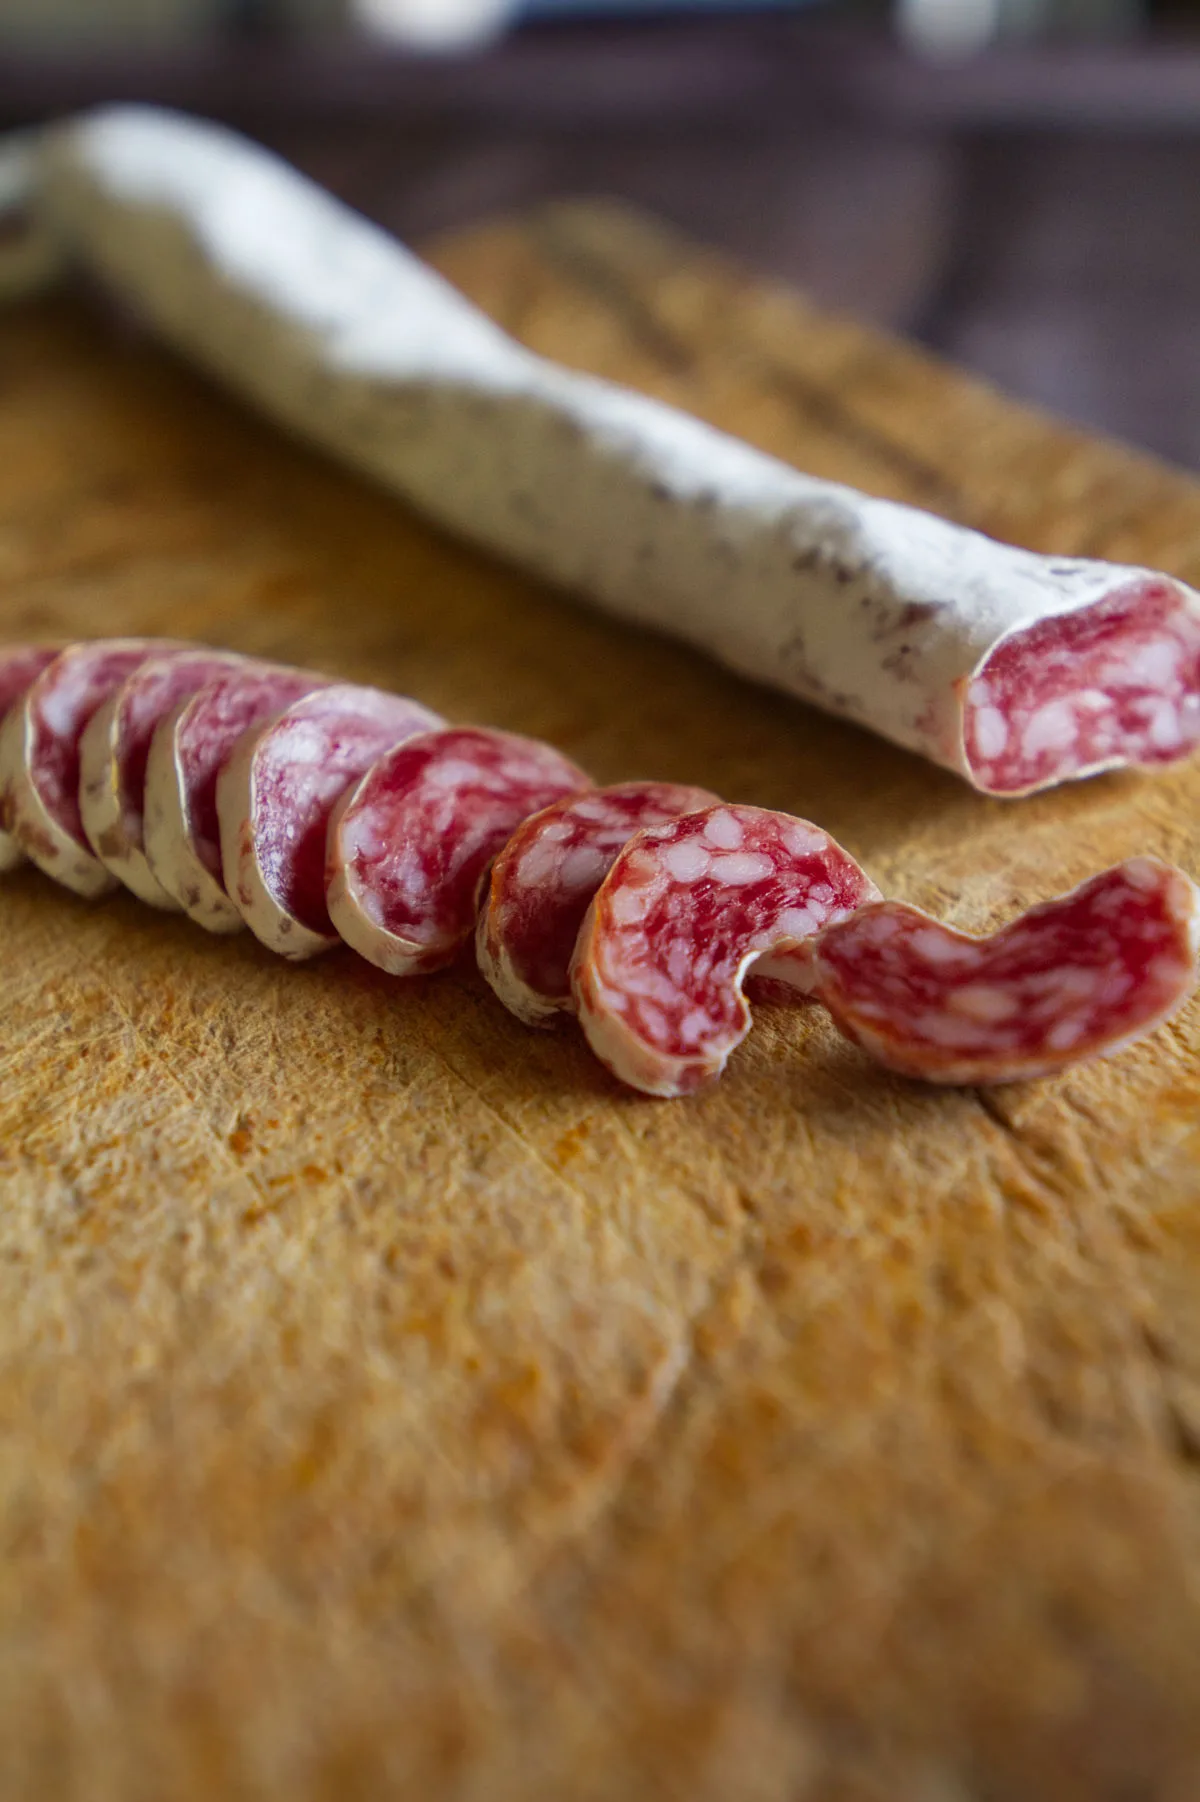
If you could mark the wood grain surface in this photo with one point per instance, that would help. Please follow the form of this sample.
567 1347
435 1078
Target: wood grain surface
390 1406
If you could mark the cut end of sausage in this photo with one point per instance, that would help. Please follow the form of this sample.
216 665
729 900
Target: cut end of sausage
1078 977
409 850
274 801
1115 684
686 913
543 882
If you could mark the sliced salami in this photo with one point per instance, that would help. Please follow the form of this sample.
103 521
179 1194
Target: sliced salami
190 747
1077 977
113 756
39 756
685 914
275 796
543 882
409 848
20 664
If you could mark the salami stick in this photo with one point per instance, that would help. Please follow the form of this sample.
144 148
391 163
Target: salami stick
543 882
113 756
686 913
40 754
1015 670
409 848
187 753
1078 977
274 798
20 664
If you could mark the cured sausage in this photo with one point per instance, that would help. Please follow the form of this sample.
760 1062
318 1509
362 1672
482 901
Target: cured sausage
1077 977
543 882
687 911
1015 670
113 756
190 746
19 665
410 846
275 796
39 756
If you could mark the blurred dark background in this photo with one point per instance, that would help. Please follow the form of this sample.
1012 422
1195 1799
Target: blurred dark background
1016 183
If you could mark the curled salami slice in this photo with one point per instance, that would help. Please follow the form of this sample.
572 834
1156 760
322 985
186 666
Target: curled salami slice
683 917
1077 977
543 882
409 848
275 796
190 747
113 756
39 756
20 664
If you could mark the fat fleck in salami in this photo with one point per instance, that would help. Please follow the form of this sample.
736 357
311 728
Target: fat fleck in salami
1078 977
543 882
113 756
685 914
409 848
189 749
20 664
275 796
1012 669
39 756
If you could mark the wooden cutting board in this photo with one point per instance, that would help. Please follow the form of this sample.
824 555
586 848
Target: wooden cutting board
391 1406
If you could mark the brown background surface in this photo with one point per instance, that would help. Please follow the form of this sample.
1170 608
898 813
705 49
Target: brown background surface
391 1406
1030 213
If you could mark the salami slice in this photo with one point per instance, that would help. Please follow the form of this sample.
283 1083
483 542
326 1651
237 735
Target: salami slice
543 882
189 749
685 914
409 848
1016 670
275 796
39 756
20 664
1077 977
113 756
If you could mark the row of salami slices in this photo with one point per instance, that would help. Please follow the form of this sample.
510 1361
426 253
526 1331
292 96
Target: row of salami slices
251 794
